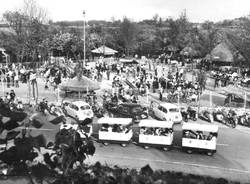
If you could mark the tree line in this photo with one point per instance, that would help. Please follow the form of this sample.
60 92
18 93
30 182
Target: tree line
36 37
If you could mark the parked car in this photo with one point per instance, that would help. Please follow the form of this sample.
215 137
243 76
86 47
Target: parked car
235 100
129 110
78 109
167 112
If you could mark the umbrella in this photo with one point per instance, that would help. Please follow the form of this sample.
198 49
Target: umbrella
83 84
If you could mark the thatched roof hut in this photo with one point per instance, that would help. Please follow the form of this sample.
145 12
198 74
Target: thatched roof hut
222 53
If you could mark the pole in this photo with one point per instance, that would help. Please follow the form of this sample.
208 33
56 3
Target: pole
178 98
245 104
3 85
58 94
84 46
210 99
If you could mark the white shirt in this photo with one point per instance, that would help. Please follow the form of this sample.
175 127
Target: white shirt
32 76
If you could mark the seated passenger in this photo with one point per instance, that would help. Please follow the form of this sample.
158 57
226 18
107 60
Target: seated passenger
157 131
211 137
164 132
199 135
142 130
105 127
149 131
19 105
187 134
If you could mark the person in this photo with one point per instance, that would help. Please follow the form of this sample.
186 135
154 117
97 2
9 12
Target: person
114 98
105 127
8 81
143 130
7 97
43 105
12 95
187 134
199 135
20 106
16 79
161 93
134 100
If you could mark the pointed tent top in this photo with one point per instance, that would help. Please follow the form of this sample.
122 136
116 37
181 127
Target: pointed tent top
104 50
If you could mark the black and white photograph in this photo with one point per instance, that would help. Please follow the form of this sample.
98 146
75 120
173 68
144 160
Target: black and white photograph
124 91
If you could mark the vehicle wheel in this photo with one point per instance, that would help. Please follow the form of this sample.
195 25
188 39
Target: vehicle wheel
186 119
105 144
166 148
189 151
146 147
194 119
210 153
123 145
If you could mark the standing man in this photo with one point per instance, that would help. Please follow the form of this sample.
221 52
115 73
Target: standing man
34 84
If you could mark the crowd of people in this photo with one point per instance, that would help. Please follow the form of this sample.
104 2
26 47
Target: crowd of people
130 82
199 135
114 128
155 131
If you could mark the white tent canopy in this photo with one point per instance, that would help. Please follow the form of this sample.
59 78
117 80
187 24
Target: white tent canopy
104 50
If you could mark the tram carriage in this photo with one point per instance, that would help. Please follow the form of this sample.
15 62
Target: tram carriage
200 137
115 130
156 134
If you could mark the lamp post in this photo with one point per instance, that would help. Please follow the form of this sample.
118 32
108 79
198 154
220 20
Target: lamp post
39 60
84 46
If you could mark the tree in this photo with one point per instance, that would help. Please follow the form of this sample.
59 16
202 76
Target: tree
28 24
128 32
74 148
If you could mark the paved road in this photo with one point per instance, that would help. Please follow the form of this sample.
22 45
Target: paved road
231 161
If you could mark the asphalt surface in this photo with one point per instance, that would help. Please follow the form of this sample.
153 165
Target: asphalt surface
232 160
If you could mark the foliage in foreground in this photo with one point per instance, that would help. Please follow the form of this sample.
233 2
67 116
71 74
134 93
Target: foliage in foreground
62 162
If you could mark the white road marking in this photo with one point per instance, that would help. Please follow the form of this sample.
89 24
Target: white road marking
221 144
179 163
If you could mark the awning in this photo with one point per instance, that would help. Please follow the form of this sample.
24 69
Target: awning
104 50
83 84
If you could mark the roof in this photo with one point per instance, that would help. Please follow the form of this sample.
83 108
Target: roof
112 121
104 50
131 104
129 61
200 127
222 53
168 105
156 123
80 103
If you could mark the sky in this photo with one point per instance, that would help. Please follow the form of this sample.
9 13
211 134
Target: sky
197 10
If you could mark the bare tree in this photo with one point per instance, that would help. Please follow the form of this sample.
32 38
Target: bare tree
33 10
